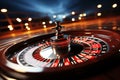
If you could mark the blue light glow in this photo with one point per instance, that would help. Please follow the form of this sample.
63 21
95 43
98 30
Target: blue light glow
44 6
50 8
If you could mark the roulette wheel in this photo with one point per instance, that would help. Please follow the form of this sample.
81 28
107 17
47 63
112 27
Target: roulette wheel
58 56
